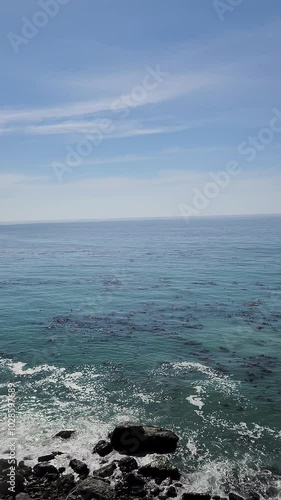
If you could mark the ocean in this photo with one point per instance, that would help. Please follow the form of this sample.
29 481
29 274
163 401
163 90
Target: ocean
154 321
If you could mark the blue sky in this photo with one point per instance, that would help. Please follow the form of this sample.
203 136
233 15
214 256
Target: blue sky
153 98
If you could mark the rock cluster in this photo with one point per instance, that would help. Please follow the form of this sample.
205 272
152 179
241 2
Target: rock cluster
122 479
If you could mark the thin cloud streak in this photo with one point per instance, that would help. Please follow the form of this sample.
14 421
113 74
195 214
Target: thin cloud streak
172 88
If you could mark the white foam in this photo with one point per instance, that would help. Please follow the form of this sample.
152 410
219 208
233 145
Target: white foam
18 368
195 401
219 382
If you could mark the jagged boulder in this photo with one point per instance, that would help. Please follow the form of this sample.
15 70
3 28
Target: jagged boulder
103 448
79 467
133 439
127 464
92 488
41 469
160 469
106 470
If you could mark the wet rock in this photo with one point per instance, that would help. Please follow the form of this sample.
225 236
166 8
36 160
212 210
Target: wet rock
24 470
253 496
171 492
105 471
92 488
155 491
196 496
234 496
131 485
44 468
47 458
127 464
137 439
103 448
160 469
5 483
65 434
79 467
51 476
4 464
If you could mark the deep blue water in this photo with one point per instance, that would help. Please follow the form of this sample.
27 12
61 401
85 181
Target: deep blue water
157 321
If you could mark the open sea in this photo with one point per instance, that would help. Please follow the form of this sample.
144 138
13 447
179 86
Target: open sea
157 321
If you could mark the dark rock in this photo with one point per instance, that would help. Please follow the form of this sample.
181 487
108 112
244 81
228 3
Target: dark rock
4 464
196 496
127 464
22 496
234 496
155 492
61 470
136 439
65 434
46 458
51 476
105 471
134 479
171 492
44 468
92 488
79 467
24 470
102 448
160 469
5 484
131 485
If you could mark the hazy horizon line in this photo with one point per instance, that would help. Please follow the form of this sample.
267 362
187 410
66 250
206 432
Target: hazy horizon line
124 219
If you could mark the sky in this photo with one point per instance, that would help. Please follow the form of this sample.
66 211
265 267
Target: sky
139 108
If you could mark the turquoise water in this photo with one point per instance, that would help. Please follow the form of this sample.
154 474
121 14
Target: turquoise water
157 321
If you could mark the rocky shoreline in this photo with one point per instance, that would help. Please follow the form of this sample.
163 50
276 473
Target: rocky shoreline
120 479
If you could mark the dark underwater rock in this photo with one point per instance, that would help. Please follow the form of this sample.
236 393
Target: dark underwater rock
103 448
134 439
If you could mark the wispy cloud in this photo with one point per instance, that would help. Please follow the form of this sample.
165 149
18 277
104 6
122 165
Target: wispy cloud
174 87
